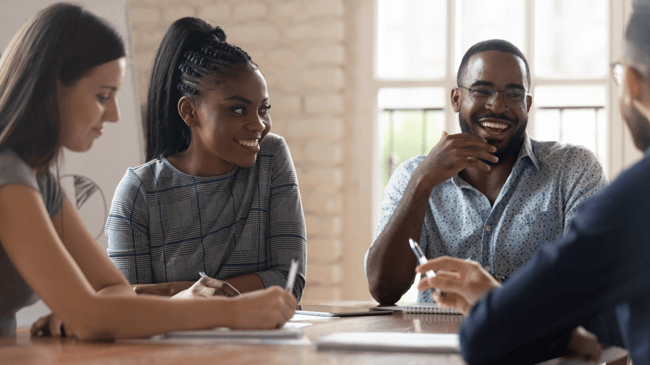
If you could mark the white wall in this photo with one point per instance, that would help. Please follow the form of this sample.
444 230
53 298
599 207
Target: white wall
119 147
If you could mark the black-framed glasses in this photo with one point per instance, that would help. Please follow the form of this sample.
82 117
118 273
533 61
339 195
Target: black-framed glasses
618 72
483 94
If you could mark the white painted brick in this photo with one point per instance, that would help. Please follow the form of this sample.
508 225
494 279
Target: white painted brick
319 176
323 78
331 127
250 10
215 13
324 152
321 8
324 274
144 62
281 57
148 39
144 15
315 291
329 103
322 201
171 14
329 29
333 54
252 33
321 250
285 9
284 104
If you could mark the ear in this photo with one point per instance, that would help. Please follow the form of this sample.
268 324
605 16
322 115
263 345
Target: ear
455 99
529 102
188 111
633 80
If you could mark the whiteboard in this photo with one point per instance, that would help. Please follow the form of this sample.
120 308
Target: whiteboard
120 146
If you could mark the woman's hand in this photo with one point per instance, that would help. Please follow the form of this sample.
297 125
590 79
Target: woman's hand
463 283
584 345
268 308
207 287
51 325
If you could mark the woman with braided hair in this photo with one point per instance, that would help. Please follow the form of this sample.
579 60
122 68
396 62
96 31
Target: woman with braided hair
219 193
58 82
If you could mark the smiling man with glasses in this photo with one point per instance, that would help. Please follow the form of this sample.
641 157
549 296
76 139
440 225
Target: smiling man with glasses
490 193
597 275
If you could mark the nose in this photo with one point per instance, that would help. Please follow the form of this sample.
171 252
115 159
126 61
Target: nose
497 104
112 111
256 123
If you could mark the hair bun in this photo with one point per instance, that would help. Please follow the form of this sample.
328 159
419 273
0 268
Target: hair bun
219 33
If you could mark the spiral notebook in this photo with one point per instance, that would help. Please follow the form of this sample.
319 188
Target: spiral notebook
421 308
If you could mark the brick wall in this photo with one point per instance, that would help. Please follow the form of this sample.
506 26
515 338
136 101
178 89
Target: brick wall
300 46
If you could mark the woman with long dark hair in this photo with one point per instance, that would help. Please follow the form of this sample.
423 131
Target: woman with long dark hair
219 193
58 83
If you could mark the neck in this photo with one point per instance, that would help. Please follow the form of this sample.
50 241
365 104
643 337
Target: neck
490 182
197 161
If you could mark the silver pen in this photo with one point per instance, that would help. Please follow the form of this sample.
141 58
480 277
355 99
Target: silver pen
292 275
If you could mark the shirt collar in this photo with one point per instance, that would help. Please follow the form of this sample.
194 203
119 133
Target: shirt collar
647 152
525 151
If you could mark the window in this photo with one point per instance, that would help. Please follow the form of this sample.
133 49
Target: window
419 45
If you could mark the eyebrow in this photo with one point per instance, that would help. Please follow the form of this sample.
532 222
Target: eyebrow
108 87
243 99
488 83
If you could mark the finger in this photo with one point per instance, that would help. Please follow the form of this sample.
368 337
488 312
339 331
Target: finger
443 263
229 289
39 326
55 326
447 282
477 164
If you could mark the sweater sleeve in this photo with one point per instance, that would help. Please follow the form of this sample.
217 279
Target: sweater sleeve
127 229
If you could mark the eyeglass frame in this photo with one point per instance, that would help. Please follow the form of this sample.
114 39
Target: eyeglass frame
618 80
491 99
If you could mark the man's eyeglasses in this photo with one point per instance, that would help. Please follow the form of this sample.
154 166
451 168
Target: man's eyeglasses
618 73
486 94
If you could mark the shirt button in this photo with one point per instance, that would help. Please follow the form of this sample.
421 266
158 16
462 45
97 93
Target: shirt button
487 268
488 228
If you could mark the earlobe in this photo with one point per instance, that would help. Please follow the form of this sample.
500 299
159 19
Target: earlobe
632 84
187 111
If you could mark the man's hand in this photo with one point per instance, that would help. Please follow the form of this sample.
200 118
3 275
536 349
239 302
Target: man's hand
207 287
584 345
268 308
51 325
454 153
462 282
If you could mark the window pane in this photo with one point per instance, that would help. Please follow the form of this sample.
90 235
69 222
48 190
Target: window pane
411 121
572 114
571 38
482 20
411 39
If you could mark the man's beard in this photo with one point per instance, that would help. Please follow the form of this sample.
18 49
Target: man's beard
516 141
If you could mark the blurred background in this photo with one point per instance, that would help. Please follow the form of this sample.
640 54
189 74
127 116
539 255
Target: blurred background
360 86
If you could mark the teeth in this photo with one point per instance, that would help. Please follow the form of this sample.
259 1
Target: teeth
494 125
249 142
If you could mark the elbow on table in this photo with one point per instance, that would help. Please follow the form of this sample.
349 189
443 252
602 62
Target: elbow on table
384 294
472 347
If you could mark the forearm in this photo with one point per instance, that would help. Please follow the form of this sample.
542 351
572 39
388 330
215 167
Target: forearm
390 263
246 283
130 316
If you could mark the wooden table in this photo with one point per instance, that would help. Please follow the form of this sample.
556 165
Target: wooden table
26 350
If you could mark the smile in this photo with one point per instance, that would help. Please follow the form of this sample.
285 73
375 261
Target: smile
248 142
492 125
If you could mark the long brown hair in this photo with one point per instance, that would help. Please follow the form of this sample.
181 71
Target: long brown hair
62 42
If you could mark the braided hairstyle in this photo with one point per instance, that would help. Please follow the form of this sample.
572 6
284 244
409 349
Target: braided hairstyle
191 53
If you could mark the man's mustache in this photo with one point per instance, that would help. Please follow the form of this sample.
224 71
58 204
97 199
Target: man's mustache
491 114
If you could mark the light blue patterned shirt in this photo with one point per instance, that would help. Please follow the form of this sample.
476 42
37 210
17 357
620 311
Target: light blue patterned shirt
538 200
165 225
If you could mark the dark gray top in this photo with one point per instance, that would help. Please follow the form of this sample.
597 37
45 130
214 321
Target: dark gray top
14 292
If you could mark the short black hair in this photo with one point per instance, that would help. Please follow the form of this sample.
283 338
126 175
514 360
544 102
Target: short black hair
491 45
637 38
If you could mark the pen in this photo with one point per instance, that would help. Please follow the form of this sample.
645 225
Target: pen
421 258
292 275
